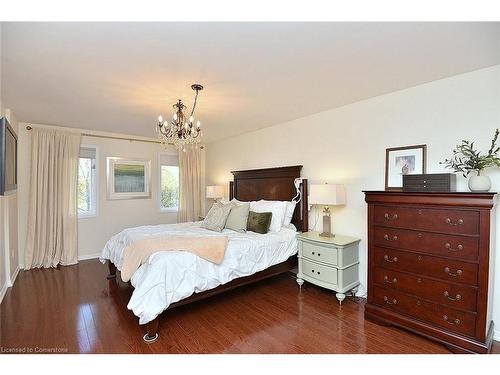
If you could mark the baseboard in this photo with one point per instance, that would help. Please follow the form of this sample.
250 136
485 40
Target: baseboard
89 256
496 335
3 291
14 276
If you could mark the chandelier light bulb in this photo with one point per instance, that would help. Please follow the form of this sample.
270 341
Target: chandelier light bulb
191 119
160 119
198 124
175 116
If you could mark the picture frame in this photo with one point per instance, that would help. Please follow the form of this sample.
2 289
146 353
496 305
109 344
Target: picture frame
403 160
128 178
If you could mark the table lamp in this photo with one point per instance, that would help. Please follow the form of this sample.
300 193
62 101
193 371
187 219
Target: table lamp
215 192
327 195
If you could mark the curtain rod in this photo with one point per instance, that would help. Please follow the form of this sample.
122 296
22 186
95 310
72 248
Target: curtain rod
119 138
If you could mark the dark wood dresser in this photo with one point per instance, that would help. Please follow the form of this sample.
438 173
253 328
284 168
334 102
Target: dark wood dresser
429 262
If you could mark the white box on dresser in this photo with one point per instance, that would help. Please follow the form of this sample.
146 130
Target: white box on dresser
331 263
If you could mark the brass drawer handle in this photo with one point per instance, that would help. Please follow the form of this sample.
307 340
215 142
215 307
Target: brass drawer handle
394 238
455 322
318 272
459 222
386 280
394 301
448 246
389 217
458 297
393 260
448 271
313 253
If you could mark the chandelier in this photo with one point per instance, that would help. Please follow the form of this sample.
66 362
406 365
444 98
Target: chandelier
181 130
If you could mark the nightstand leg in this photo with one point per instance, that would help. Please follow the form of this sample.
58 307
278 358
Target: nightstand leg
300 282
340 297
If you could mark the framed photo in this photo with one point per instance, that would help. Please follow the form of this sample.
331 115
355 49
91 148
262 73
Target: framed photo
403 160
128 178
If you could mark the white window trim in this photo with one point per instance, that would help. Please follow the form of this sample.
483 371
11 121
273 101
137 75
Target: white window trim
95 187
168 209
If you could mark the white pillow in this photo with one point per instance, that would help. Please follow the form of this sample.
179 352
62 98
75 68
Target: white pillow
290 207
277 208
234 200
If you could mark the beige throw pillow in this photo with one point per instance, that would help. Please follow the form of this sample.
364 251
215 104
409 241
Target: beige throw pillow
217 216
238 217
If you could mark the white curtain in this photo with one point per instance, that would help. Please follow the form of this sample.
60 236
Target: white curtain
190 184
52 222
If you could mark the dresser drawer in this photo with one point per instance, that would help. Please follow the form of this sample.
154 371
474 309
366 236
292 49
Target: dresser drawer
426 265
437 220
319 253
459 247
454 295
448 318
318 271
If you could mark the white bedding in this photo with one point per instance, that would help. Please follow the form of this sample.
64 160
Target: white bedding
170 276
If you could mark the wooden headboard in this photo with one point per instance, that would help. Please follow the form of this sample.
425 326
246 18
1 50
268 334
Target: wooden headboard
272 184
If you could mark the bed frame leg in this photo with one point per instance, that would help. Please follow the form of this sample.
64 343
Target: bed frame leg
112 271
152 331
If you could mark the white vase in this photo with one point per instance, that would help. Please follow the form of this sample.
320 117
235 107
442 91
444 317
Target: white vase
479 183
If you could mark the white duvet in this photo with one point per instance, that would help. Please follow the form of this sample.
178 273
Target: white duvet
170 276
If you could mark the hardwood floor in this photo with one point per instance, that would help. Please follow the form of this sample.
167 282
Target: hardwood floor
76 310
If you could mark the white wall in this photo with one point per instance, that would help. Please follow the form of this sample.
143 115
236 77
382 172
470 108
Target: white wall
3 252
112 215
347 144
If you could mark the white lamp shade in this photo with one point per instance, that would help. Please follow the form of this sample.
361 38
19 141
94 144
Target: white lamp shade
327 194
215 192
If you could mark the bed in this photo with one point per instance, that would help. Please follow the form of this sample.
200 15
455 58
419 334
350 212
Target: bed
173 278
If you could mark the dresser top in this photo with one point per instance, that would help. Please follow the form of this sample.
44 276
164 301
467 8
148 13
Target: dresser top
431 193
338 240
462 199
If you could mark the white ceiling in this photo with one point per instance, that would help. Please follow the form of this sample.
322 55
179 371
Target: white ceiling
118 76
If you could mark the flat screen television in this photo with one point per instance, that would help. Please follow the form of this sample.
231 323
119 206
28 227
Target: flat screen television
8 157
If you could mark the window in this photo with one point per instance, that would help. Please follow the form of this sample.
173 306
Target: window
169 182
87 182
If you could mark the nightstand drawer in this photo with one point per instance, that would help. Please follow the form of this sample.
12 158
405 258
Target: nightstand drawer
318 271
319 253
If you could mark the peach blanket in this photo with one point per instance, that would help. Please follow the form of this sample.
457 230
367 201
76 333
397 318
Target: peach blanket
211 248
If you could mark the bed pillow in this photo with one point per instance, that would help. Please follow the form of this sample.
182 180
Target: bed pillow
277 208
290 208
217 216
259 222
238 217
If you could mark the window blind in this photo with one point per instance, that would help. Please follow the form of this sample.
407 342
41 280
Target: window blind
168 159
87 152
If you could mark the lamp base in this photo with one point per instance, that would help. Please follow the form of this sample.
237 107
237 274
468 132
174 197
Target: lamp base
327 225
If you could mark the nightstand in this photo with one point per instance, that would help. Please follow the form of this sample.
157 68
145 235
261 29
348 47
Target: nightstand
331 263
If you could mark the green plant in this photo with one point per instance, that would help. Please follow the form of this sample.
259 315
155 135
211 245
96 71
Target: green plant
466 159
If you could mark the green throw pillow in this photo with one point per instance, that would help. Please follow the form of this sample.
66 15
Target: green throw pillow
259 222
